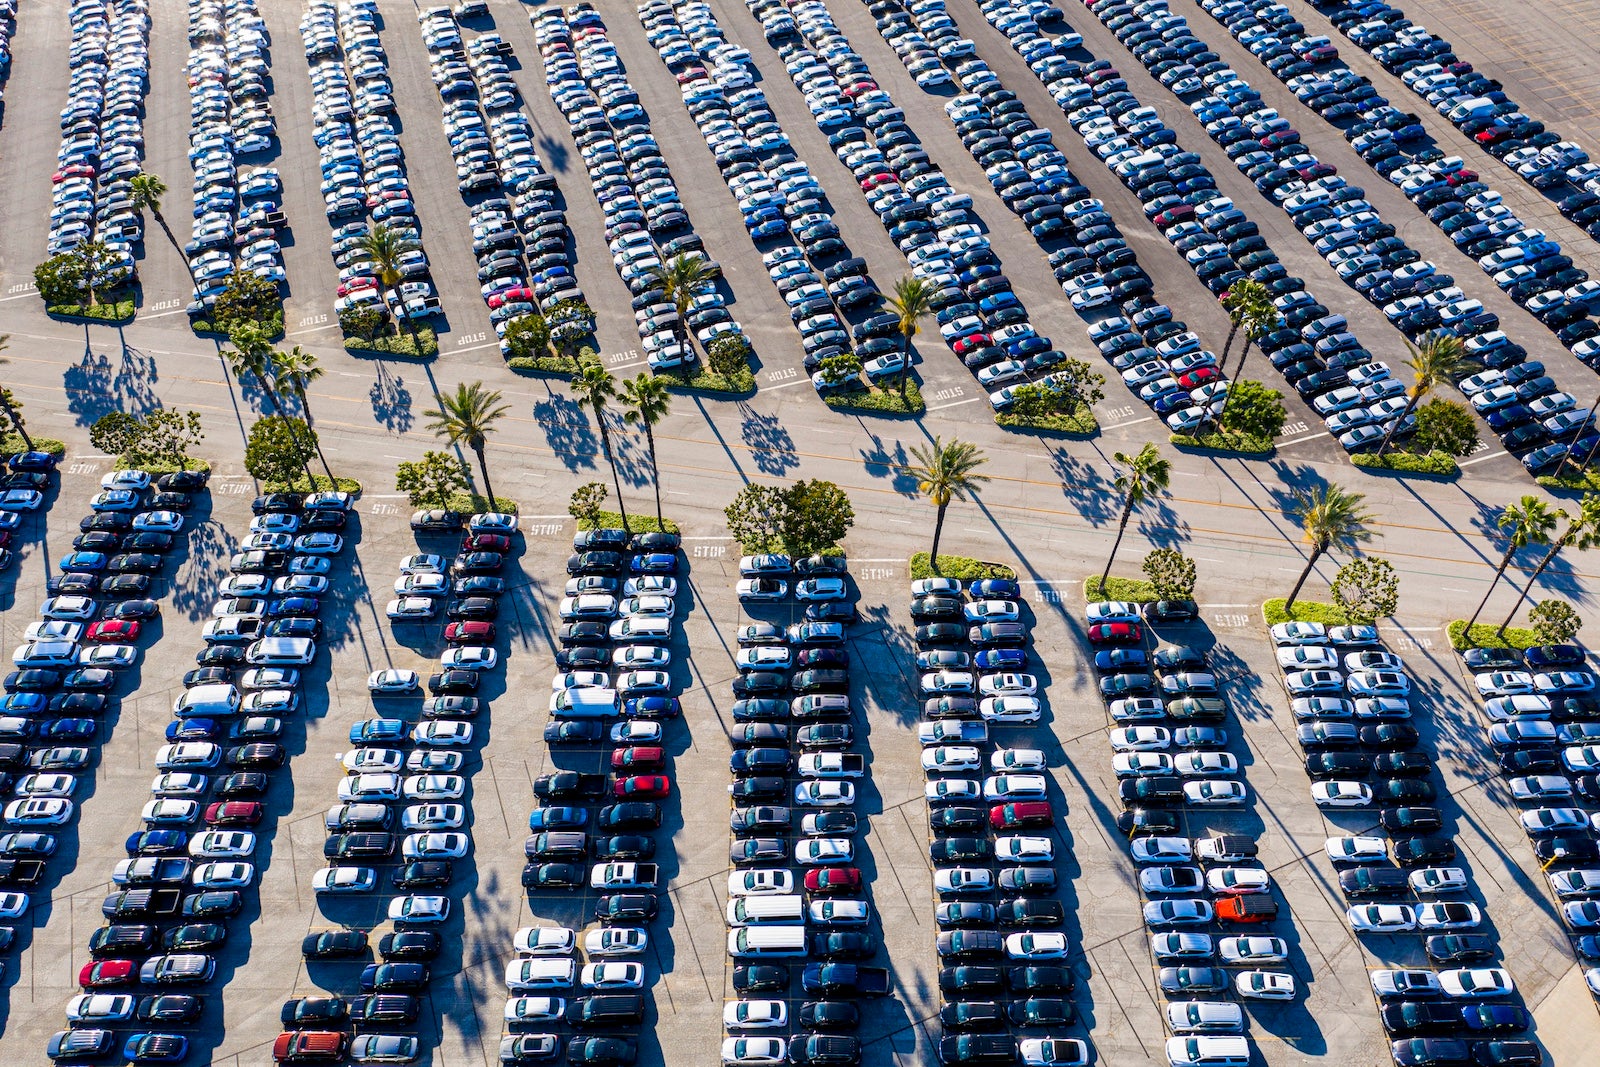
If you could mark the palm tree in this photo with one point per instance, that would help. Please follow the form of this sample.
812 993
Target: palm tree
297 369
1143 475
1250 308
595 388
146 191
251 356
1441 357
5 399
1527 522
466 417
945 473
681 279
1331 518
385 246
648 402
912 302
92 255
1582 533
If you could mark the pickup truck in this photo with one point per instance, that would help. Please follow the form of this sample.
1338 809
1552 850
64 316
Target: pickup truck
832 765
845 980
953 731
1250 908
608 876
142 904
231 629
1225 849
21 872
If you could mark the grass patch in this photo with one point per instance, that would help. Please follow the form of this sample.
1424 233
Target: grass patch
1248 444
1483 636
393 342
739 383
274 326
612 520
1136 590
477 504
1304 611
1574 481
880 399
1434 463
1081 421
319 483
114 311
558 366
121 463
962 568
13 443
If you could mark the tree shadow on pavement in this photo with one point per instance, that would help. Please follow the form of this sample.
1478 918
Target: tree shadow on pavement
1086 489
568 431
98 384
391 401
881 462
1162 526
771 447
194 585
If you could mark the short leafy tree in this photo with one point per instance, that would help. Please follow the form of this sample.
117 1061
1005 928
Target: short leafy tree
363 321
1367 588
280 449
116 433
755 518
11 419
431 480
1446 426
1171 572
816 515
166 438
59 279
586 502
1254 409
527 337
836 370
1077 382
248 297
729 355
1034 400
1554 622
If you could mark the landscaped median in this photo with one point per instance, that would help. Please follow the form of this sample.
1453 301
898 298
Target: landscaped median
1487 635
1304 611
1081 422
116 310
319 483
961 568
740 382
396 342
13 443
1437 464
879 400
1244 444
1131 590
636 524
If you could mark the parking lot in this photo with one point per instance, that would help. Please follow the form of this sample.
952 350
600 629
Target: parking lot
1050 511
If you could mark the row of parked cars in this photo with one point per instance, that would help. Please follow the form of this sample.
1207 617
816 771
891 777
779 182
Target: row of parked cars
1351 701
102 134
613 698
95 623
27 477
781 203
1002 951
8 27
796 892
363 165
1543 716
646 223
1537 421
238 219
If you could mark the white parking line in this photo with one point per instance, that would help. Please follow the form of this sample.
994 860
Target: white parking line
1307 437
1480 459
955 403
1130 422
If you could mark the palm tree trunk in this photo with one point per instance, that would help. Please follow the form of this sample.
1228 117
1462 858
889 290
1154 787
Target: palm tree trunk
616 479
1122 528
1205 417
483 466
305 407
655 474
11 415
1316 554
905 366
1528 588
938 528
161 220
1499 572
1222 416
1411 403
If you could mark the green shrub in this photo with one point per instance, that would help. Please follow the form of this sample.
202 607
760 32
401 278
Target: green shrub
103 311
879 398
1483 636
319 483
398 343
553 365
1081 421
612 520
1435 463
13 442
1226 441
1577 481
163 466
740 383
1304 611
476 503
274 323
961 568
1137 590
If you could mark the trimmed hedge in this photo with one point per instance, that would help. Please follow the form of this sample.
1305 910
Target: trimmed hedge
1304 611
740 383
1226 441
121 463
961 568
13 443
398 343
612 520
1081 422
114 311
319 483
274 322
559 366
1435 463
1587 481
879 398
476 503
1483 636
1136 590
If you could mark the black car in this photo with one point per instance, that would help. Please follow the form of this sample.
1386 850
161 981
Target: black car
426 874
334 944
1410 820
957 819
626 908
1420 1017
1364 883
760 978
194 937
1424 851
169 1009
384 1009
1402 765
973 1016
1458 950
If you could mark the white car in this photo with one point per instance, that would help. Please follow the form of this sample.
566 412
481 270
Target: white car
1334 794
1264 985
419 909
755 1015
544 941
1161 850
223 844
612 976
1382 918
1503 683
469 658
1137 764
411 608
1019 710
1038 945
1024 850
1141 739
1238 881
1307 658
1213 793
427 585
423 817
231 875
992 611
823 851
1299 633
616 941
393 680
1206 764
1256 949
832 794
1434 880
755 1052
1404 983
442 733
951 759
1476 983
815 589
760 882
1441 916
424 563
1356 849
1014 760
77 608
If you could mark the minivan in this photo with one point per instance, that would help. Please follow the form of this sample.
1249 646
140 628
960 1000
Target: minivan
763 942
606 1012
207 701
1208 1052
778 909
1205 1017
281 652
585 703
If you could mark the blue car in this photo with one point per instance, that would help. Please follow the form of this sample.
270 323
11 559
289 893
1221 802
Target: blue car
83 562
654 563
24 704
157 843
994 589
1121 659
1000 659
193 730
652 707
294 607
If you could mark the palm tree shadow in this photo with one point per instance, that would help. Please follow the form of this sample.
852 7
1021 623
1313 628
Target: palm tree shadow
880 462
194 586
391 401
1086 489
96 385
1164 528
633 460
768 440
568 431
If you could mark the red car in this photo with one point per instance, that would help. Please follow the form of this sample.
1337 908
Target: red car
469 633
638 758
1199 376
692 74
833 880
355 285
643 787
970 343
486 542
1021 813
872 181
1115 633
866 85
511 296
235 813
1174 215
104 973
116 631
74 170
